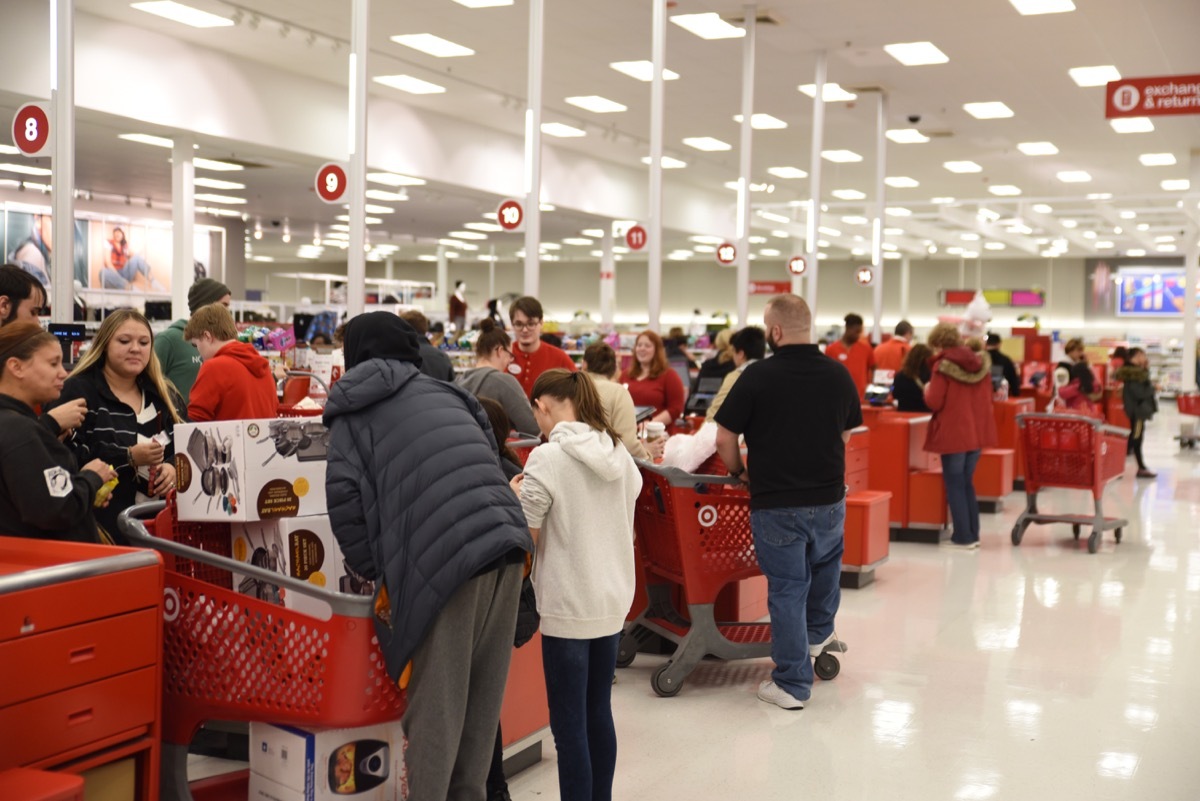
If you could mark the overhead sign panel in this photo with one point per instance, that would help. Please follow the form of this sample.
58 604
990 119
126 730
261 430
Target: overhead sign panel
1153 97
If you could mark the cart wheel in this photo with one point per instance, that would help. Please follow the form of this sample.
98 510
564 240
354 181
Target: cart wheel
1075 529
626 651
664 687
1094 541
1017 533
1117 535
827 666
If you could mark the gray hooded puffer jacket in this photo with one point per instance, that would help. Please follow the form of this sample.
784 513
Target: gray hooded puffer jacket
416 495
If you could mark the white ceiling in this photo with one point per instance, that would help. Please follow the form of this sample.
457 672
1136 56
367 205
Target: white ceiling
994 54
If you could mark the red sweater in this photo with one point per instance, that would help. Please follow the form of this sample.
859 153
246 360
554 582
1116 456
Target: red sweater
546 357
960 396
663 393
859 359
236 384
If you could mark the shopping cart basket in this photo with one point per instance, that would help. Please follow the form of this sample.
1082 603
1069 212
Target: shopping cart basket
295 387
523 447
1189 404
229 656
1070 452
693 532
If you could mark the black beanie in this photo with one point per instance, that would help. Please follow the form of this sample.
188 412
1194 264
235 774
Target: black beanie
204 292
381 335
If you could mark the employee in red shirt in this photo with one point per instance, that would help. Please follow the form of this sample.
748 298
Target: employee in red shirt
652 382
532 356
854 353
890 355
235 381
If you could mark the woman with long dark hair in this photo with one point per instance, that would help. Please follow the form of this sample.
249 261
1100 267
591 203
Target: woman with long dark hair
908 387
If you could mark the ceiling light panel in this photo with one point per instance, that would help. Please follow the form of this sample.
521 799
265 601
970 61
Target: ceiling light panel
409 84
1175 185
642 70
668 163
848 194
388 197
1032 7
1125 125
907 136
901 182
708 26
578 241
228 200
1042 208
216 183
1004 190
394 179
1037 148
762 122
147 139
990 110
707 143
467 235
216 166
1157 159
787 172
916 54
841 156
484 3
596 104
178 12
962 167
1094 76
433 45
1074 176
487 228
832 92
562 130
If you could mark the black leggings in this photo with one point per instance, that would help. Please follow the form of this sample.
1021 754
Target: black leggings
1137 430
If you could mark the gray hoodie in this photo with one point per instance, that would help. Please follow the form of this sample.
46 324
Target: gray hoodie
580 489
488 382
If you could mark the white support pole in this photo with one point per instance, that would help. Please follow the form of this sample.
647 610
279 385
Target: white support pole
814 182
441 292
877 225
905 286
979 273
533 149
492 273
183 223
389 268
608 280
356 257
62 132
658 56
1192 281
750 13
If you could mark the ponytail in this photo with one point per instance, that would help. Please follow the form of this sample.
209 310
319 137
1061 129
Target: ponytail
577 388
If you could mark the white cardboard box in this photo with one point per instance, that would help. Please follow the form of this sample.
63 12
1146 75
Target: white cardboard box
301 547
244 470
295 764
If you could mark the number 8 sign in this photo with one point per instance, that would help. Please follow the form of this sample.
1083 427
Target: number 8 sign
31 129
331 182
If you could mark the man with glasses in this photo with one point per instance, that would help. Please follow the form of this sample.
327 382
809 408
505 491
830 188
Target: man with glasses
532 356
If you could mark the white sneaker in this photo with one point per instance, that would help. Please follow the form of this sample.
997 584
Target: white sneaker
958 546
772 693
815 649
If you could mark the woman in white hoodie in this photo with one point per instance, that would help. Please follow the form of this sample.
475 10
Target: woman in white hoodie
578 492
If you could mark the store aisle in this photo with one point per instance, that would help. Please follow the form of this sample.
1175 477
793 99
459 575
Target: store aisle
1008 673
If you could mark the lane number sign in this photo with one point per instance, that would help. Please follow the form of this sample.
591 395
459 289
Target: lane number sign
797 265
864 276
510 215
726 253
636 237
31 129
331 182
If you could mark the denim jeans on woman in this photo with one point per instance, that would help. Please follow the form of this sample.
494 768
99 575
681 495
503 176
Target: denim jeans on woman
579 676
800 552
958 472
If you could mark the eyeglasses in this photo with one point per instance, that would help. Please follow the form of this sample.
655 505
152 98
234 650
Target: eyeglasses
526 326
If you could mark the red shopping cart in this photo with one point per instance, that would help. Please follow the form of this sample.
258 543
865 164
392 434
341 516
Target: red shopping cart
523 447
1070 452
229 656
1189 404
294 388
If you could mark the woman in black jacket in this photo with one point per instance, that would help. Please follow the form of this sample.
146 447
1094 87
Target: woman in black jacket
1140 405
131 413
43 493
908 387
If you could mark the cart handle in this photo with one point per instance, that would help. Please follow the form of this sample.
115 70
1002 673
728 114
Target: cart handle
527 442
681 478
301 374
1103 428
132 525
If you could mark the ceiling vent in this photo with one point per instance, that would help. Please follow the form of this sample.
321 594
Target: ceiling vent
762 18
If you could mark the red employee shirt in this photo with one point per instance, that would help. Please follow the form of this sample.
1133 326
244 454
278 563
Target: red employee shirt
236 384
859 359
890 355
663 393
546 357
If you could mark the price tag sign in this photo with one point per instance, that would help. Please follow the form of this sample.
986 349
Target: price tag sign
31 130
331 182
636 237
510 215
726 253
864 276
797 265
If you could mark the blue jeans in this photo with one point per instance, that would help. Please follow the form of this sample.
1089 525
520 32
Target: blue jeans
800 553
123 278
958 471
579 676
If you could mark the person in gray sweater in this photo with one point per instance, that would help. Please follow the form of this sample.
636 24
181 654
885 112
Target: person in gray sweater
489 378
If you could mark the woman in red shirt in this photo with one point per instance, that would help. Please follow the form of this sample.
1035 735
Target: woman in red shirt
652 382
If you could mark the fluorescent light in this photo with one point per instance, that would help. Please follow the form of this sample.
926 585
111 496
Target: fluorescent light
969 237
706 143
1031 7
178 12
562 130
962 166
907 136
990 110
8 150
787 172
829 231
1128 215
343 227
1069 223
735 185
216 166
704 249
854 219
207 198
432 45
24 169
769 252
382 194
1166 248
427 257
487 228
1165 238
916 54
407 83
987 215
708 26
1135 253
597 104
840 156
993 246
668 163
594 233
215 183
901 182
942 201
831 92
1157 159
368 220
373 209
578 241
546 207
147 139
394 179
1037 148
899 211
1099 195
1094 76
556 246
1042 208
1104 245
1174 185
642 70
1074 176
484 3
848 194
1004 190
1132 125
467 235
762 122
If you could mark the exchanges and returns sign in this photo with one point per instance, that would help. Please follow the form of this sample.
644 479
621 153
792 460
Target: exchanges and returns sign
770 287
1153 97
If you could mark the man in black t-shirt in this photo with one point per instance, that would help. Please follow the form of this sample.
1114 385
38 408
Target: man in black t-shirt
796 410
1005 365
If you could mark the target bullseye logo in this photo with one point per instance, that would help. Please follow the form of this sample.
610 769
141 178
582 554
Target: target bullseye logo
707 516
170 604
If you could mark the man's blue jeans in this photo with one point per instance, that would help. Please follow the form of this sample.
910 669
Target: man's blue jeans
958 472
800 552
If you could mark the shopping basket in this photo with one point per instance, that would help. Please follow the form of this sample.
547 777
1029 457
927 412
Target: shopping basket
1070 452
229 656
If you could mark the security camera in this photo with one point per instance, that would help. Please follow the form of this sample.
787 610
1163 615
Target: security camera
914 118
275 223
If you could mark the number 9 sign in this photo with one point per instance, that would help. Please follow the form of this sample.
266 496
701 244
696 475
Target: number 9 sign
331 182
31 129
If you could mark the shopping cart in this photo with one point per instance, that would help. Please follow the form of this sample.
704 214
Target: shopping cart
232 657
1189 404
523 447
1070 452
693 532
294 387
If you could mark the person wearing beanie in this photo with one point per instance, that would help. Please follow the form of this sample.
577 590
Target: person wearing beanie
235 381
179 358
420 505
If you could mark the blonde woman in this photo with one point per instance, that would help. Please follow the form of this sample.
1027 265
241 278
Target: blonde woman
131 413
